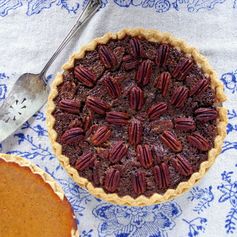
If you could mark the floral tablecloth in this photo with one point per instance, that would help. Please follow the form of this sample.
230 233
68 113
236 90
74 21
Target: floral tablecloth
30 31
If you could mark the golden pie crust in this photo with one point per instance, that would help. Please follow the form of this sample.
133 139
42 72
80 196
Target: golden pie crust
153 36
23 216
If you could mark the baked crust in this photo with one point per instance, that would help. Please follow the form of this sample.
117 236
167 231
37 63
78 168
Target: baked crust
46 178
154 36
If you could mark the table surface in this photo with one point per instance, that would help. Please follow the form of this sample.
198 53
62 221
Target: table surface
31 30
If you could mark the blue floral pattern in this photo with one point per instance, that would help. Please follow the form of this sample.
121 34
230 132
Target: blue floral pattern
196 226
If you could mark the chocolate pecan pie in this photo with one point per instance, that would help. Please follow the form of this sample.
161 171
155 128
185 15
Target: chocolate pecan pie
136 118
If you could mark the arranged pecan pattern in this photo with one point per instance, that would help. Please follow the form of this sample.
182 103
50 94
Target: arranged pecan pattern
117 118
101 135
162 55
107 56
113 87
139 183
200 87
97 105
112 178
136 98
170 140
198 141
205 114
144 72
70 106
84 75
163 82
179 96
136 46
185 124
162 175
84 161
156 110
118 151
72 136
144 155
182 165
182 69
135 131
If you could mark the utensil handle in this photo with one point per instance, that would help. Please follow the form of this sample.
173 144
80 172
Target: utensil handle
91 8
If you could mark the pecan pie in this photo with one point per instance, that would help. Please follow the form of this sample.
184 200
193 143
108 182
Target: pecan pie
136 117
32 203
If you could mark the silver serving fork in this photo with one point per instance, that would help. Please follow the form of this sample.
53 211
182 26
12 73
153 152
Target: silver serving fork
30 91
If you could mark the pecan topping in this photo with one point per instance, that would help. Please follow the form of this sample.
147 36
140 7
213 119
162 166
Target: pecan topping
144 72
137 49
87 121
97 105
170 140
129 63
155 111
113 87
70 106
136 98
179 96
107 56
182 165
198 141
184 124
117 118
144 155
139 183
162 55
205 114
72 136
118 151
135 132
163 82
68 90
85 160
112 178
101 135
200 87
182 69
162 175
84 75
161 125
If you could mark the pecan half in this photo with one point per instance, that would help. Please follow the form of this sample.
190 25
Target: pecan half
87 121
200 87
101 135
136 98
113 87
182 69
170 140
85 160
117 118
129 63
85 75
107 56
144 155
70 106
162 55
112 179
144 72
135 132
155 111
205 114
179 96
198 141
68 90
72 136
136 48
118 151
162 175
163 82
182 165
139 183
184 124
97 105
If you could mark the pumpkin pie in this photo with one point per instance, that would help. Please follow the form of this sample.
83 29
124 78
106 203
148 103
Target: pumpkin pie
136 117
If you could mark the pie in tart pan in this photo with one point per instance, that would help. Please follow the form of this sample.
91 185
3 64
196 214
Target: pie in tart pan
136 117
32 203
